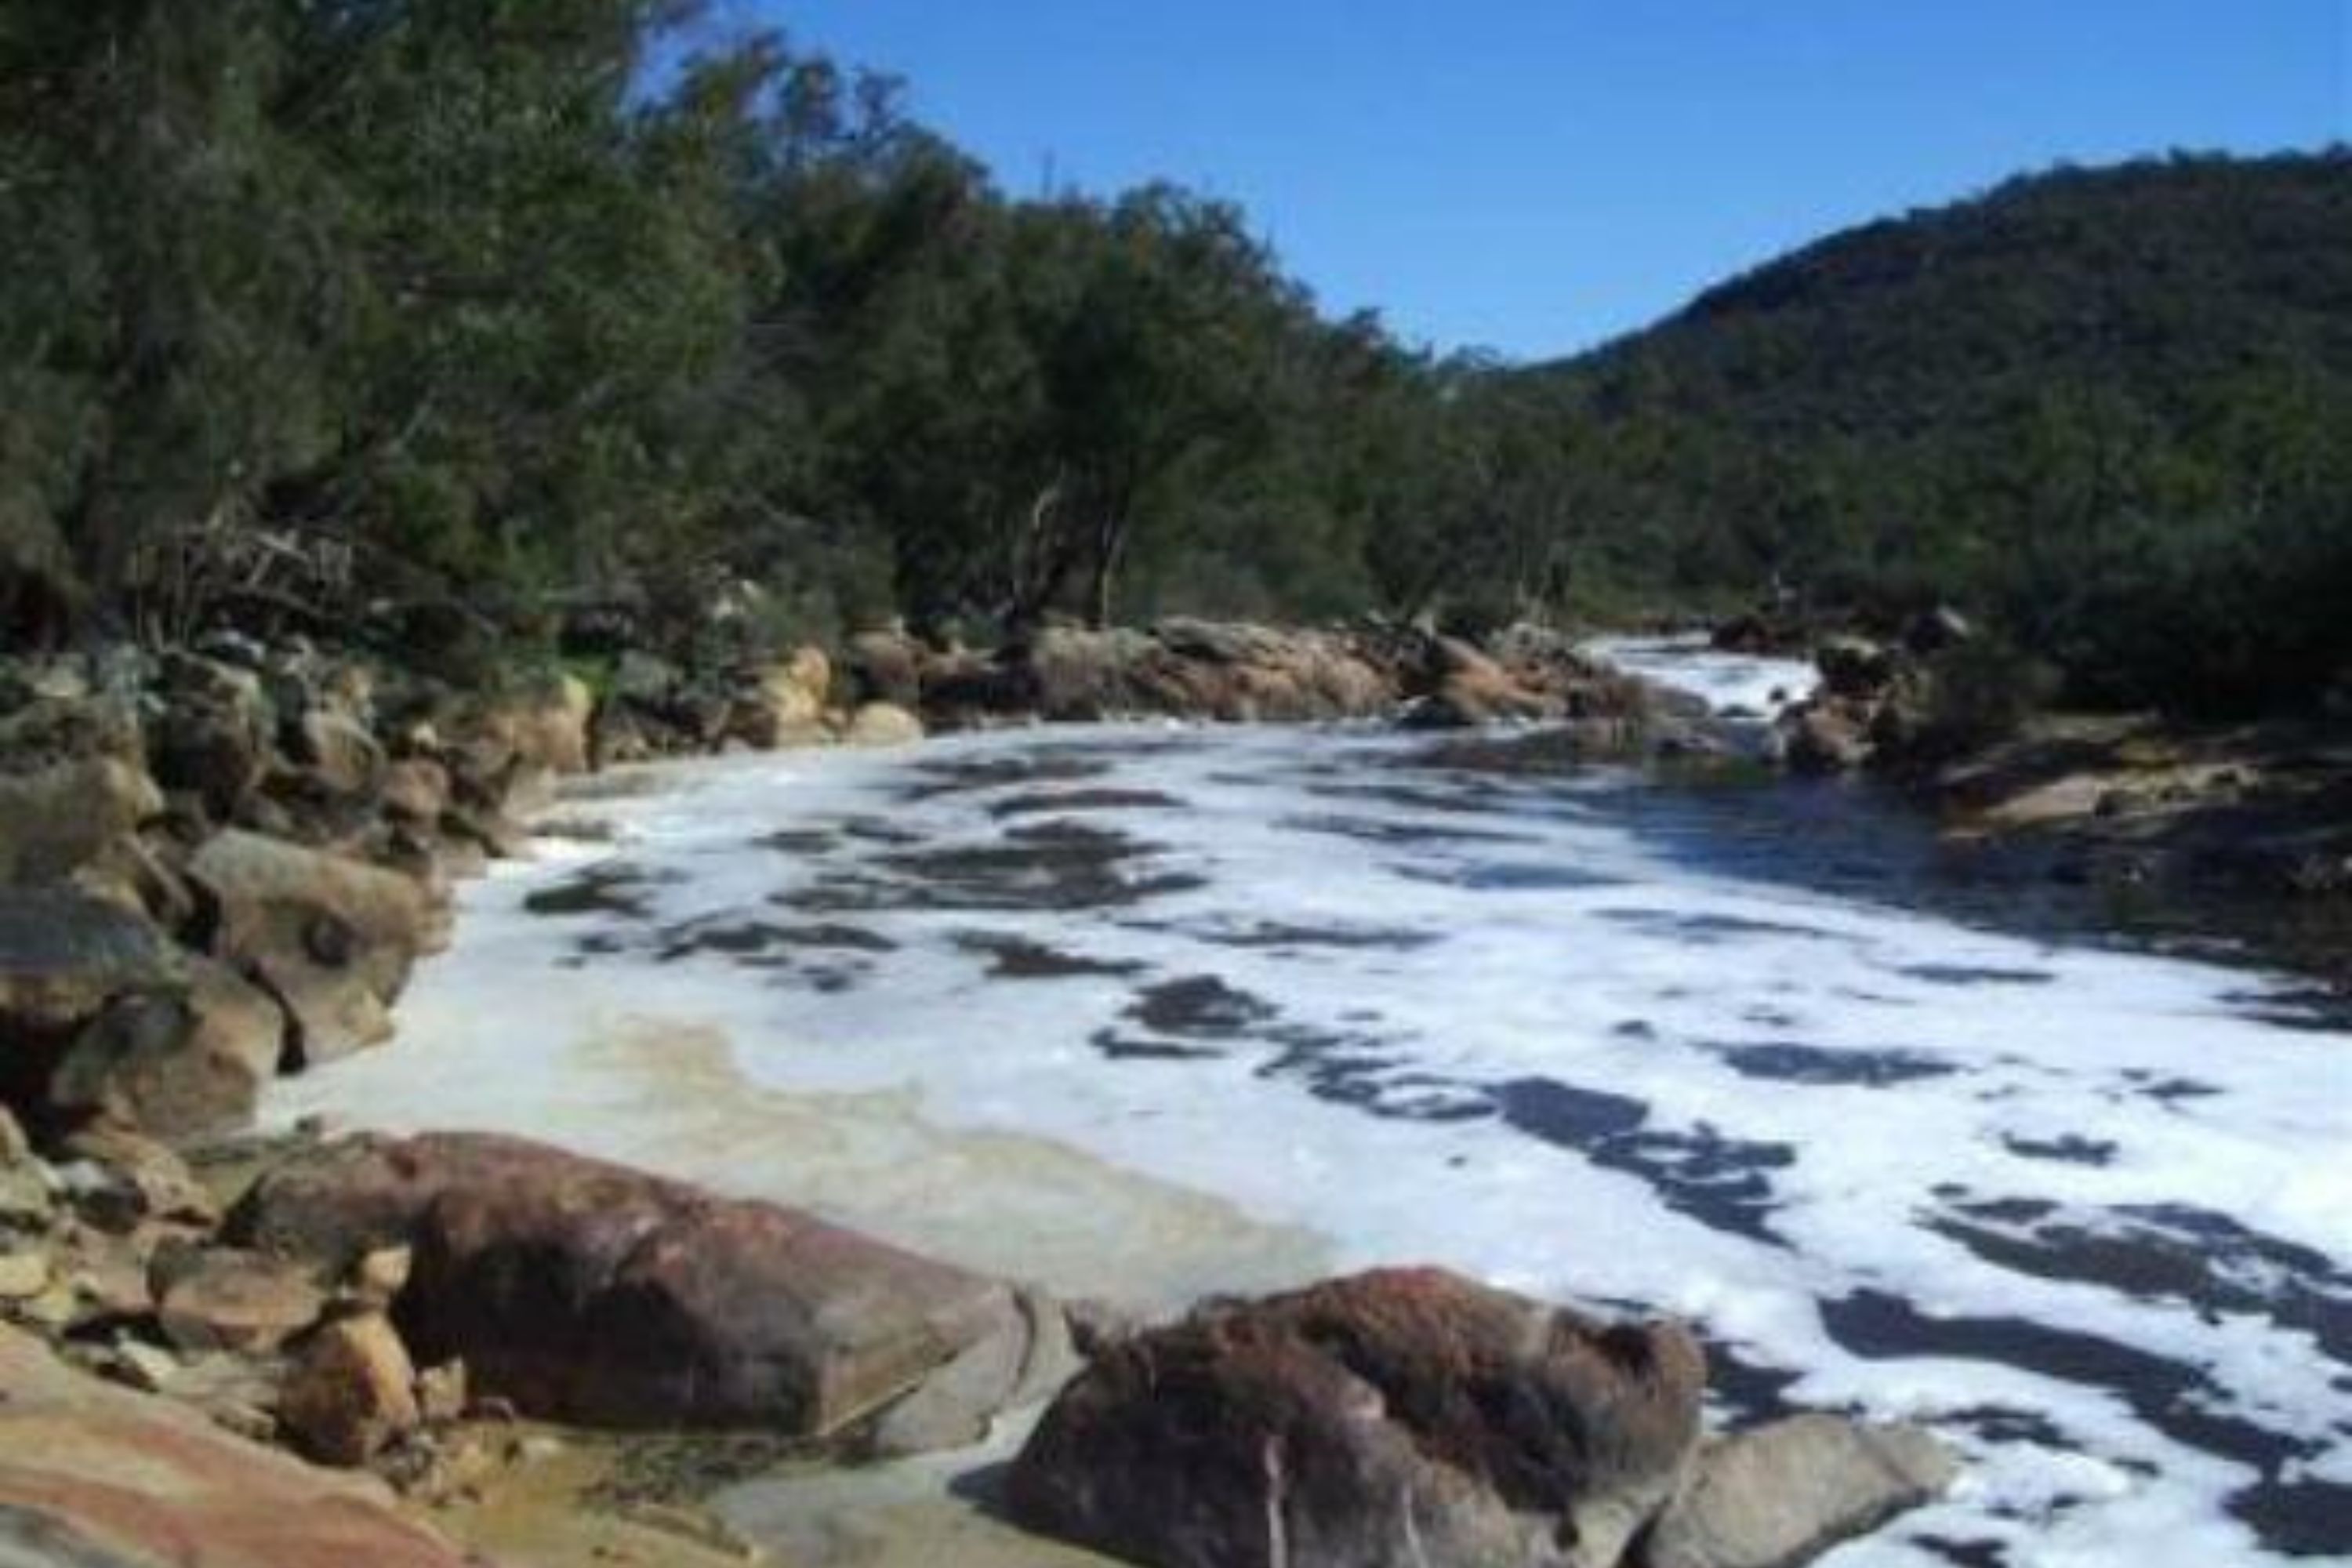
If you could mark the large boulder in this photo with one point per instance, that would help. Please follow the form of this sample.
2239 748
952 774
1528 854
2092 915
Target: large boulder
1827 735
1408 1418
57 818
64 955
883 724
65 958
1785 1493
220 1298
332 937
213 738
99 1476
783 704
352 1391
337 753
586 1291
189 1060
885 667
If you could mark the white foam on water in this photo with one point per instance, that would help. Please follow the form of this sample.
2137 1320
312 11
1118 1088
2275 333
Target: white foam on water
1819 1104
1754 685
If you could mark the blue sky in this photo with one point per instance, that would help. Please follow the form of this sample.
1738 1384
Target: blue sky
1536 175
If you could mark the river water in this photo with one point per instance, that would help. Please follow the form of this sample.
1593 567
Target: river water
1147 1011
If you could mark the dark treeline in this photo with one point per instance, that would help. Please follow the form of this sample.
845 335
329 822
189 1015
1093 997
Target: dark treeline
417 316
489 303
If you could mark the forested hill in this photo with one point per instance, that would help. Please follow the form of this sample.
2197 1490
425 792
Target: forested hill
2106 407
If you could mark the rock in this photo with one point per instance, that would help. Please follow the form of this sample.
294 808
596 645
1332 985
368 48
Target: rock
380 1276
1401 1419
1933 631
884 724
176 1063
331 937
23 1274
147 1368
885 667
53 820
585 1291
955 1406
415 789
26 1200
545 724
350 1392
120 1180
212 737
1856 668
222 1299
337 753
811 671
1785 1493
100 1477
784 705
1824 738
442 1393
65 957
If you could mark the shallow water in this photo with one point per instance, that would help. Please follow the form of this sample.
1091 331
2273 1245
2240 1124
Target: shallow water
1149 1011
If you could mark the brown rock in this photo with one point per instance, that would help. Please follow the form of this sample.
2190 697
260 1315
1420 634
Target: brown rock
333 938
586 1291
1785 1493
338 753
55 819
1405 1418
23 1274
63 957
442 1394
884 724
1824 737
885 667
120 1180
379 1276
784 704
98 1476
417 790
222 1299
350 1392
213 739
178 1063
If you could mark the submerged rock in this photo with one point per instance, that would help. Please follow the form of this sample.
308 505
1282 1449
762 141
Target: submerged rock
1407 1419
586 1291
1785 1493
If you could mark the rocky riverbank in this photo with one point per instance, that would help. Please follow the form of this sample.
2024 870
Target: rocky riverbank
222 865
2239 834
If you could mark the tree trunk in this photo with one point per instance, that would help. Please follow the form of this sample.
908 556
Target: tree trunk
1110 544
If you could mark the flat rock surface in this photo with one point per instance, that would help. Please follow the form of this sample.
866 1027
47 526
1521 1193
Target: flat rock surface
102 1478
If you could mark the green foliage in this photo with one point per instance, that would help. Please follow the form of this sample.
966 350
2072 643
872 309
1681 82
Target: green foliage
1979 692
2102 409
447 317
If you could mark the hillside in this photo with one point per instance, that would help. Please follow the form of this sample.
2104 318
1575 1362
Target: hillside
2104 406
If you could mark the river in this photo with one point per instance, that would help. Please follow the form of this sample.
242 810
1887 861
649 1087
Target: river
1145 1012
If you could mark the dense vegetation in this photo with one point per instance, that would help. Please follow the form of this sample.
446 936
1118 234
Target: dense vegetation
416 318
2106 409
